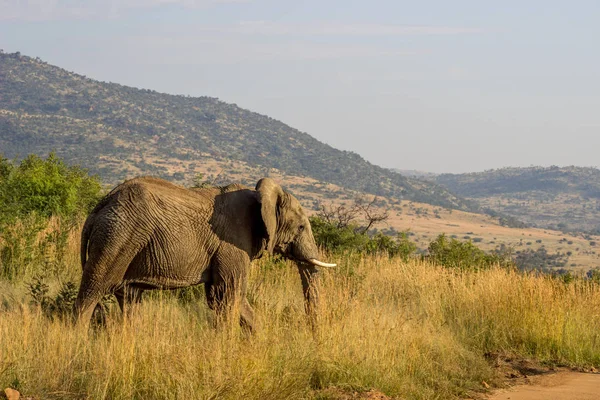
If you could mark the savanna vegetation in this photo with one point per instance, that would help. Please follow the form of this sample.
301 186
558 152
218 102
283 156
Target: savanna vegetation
407 325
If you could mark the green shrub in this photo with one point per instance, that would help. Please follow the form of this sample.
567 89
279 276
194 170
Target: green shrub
30 194
351 239
334 239
400 247
594 275
453 253
540 260
47 187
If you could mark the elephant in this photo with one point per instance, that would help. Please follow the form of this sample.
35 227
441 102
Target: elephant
148 233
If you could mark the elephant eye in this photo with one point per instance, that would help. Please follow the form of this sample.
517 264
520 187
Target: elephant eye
300 228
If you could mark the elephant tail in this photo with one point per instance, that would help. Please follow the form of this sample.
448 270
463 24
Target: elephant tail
85 237
87 229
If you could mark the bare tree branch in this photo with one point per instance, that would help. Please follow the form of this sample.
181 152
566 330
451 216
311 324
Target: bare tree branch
370 213
342 216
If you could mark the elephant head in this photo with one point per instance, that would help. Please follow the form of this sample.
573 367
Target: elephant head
288 233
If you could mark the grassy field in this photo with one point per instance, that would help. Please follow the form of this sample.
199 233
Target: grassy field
408 329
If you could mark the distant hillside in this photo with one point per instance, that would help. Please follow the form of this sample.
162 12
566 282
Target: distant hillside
413 173
565 198
119 131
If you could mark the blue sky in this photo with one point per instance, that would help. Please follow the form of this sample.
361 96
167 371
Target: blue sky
442 86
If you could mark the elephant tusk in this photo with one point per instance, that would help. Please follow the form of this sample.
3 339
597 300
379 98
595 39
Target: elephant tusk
318 263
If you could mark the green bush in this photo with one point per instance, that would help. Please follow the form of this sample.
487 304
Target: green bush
594 275
46 187
30 194
334 239
351 239
540 260
400 247
453 253
58 306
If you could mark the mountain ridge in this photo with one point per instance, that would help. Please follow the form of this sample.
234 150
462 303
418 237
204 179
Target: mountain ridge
564 198
117 131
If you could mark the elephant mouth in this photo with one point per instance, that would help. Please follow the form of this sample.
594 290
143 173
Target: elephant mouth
313 261
290 254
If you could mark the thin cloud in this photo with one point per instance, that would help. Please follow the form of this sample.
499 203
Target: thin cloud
176 50
45 10
336 29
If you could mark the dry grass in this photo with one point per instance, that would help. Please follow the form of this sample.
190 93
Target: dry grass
411 330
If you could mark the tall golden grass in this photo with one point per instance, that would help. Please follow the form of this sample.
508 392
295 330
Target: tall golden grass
35 244
409 329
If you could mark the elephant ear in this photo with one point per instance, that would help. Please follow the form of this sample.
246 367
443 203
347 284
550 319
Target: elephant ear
269 196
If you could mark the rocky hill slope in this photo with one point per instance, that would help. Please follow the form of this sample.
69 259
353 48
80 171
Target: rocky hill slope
119 131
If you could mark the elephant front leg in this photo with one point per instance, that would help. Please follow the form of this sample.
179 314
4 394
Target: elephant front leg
226 301
226 289
247 320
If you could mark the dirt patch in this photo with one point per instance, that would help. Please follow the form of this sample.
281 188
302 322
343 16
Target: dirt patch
525 379
517 370
561 385
343 394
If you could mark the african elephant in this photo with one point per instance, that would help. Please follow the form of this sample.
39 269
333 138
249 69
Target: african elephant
148 233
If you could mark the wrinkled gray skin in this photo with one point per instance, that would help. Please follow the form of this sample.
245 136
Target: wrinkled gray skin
148 233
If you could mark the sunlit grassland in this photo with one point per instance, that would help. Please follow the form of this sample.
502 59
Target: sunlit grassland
408 329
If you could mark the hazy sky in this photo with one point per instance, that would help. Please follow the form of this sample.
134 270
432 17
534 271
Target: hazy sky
442 86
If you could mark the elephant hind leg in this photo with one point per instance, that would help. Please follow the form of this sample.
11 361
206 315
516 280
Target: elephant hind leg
128 295
215 297
101 275
86 303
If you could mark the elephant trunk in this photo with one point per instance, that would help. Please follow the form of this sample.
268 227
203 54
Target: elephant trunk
305 249
309 275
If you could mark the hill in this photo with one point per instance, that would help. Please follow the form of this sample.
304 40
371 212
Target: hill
533 248
564 198
119 131
413 173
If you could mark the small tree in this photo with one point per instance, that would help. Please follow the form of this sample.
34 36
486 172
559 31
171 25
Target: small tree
5 168
401 246
347 228
362 214
453 253
200 182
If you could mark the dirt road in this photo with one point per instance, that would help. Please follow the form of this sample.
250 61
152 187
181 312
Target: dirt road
558 386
